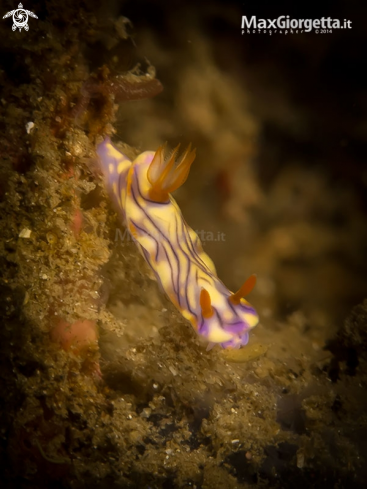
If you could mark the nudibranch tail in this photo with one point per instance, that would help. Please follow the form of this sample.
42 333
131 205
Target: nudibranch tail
165 176
115 167
244 290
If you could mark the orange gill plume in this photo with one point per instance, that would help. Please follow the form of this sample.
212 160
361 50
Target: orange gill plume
166 174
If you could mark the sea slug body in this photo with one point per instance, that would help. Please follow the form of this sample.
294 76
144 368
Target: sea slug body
141 191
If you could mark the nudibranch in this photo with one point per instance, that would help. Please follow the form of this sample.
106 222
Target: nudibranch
141 190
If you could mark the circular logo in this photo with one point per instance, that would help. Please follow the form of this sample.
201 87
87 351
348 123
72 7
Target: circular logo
20 19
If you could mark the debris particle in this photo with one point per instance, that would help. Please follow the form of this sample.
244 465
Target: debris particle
25 233
29 127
